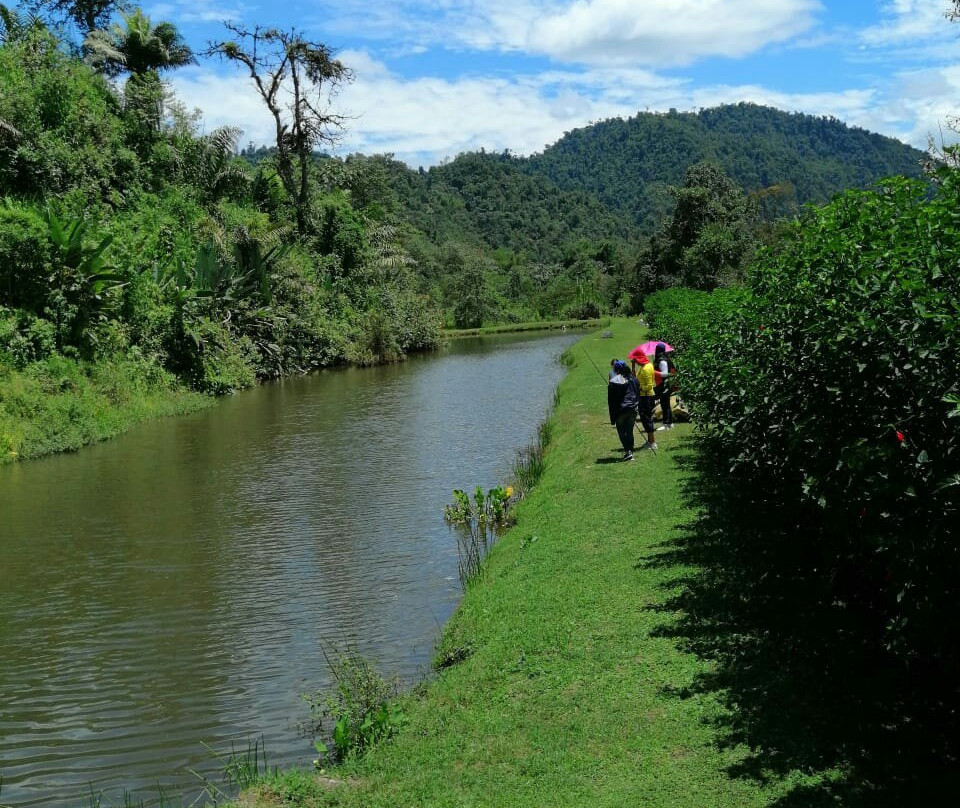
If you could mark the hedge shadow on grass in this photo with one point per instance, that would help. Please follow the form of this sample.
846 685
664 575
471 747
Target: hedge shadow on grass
800 660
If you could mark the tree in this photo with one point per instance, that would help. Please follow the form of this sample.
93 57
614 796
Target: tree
142 49
15 25
294 77
87 15
137 47
710 235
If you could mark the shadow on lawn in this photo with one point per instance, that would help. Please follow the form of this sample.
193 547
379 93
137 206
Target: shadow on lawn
799 655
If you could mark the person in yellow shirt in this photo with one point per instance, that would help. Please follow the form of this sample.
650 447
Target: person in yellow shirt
643 369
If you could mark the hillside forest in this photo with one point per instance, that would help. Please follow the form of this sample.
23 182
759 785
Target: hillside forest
139 253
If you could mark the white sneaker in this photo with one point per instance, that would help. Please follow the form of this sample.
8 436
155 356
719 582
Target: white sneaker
661 428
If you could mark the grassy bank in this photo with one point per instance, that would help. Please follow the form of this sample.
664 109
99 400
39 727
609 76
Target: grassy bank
573 694
517 328
60 405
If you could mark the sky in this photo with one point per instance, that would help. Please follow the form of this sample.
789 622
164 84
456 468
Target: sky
434 79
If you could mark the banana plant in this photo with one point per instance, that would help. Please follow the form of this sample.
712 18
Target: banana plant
80 279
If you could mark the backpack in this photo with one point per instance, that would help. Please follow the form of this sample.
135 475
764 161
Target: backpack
658 379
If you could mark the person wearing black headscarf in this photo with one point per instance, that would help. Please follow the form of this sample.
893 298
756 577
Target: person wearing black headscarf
623 396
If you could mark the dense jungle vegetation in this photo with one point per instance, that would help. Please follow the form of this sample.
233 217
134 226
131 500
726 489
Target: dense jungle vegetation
786 159
139 256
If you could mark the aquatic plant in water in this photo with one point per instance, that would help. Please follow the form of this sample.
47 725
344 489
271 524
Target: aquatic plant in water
361 710
476 521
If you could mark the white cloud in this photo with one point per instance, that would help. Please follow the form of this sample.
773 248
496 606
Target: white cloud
668 32
922 102
424 120
183 11
651 32
224 100
909 21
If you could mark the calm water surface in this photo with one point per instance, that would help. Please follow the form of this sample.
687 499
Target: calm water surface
175 587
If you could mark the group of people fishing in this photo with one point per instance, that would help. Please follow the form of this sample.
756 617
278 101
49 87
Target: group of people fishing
634 390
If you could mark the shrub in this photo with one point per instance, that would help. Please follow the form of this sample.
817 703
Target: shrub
25 338
683 316
361 710
24 258
223 364
830 406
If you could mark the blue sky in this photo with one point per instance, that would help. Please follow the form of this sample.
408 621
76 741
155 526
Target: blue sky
433 79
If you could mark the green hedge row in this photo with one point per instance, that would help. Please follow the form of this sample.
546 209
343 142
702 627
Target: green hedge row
828 399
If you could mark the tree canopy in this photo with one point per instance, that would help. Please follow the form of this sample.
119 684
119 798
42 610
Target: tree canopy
137 46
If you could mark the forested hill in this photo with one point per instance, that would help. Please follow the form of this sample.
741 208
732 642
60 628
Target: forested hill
629 164
489 200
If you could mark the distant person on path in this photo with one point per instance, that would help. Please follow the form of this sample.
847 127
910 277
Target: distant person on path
623 395
644 371
663 368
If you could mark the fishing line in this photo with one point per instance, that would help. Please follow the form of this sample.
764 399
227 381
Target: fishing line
596 367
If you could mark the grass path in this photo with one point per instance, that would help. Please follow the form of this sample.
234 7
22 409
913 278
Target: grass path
570 697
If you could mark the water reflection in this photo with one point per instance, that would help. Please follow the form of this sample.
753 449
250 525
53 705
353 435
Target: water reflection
174 587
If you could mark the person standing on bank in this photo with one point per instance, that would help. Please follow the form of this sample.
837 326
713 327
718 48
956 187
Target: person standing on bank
644 371
623 395
662 391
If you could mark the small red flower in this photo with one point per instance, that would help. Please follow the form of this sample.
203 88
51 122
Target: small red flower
900 437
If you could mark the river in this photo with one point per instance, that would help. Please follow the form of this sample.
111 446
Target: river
175 589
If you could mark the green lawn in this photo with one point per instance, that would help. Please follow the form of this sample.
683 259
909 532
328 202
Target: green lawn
571 696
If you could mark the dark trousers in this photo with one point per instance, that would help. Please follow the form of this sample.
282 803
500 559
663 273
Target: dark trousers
647 403
625 422
664 398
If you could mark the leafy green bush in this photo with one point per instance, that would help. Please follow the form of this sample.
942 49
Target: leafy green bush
222 364
683 316
25 338
73 136
830 458
24 258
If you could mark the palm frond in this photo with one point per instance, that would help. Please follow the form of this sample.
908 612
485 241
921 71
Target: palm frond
224 139
14 24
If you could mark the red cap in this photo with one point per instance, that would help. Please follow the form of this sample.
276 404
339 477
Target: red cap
641 360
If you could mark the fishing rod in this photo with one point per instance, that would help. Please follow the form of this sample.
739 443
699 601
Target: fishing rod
600 372
596 367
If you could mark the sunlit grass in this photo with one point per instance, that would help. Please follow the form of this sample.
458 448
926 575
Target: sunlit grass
60 405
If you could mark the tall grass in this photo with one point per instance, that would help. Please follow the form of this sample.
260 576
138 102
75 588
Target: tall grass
529 464
241 769
361 710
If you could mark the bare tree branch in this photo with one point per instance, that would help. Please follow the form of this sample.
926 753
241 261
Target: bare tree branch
296 79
